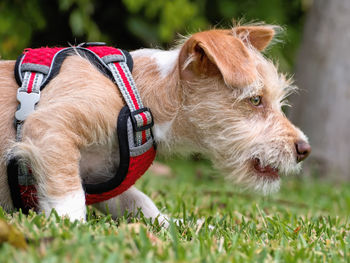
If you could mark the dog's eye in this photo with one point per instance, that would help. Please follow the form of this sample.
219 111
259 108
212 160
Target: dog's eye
256 100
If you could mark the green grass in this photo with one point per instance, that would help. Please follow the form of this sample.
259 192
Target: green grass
307 221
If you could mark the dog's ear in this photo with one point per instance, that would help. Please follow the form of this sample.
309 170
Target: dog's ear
217 52
258 36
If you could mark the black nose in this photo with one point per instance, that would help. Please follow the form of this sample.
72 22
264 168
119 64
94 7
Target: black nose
303 150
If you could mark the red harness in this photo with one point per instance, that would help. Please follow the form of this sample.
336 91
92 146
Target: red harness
34 69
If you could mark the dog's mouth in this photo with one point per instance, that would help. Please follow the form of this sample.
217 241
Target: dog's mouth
265 171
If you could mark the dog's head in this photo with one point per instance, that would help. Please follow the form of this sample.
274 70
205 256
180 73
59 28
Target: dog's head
232 99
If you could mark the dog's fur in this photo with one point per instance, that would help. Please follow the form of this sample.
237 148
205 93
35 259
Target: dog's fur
199 94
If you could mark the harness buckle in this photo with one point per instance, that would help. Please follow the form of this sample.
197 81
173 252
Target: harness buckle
137 119
90 44
27 103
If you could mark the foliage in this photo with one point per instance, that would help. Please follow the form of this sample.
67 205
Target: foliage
134 23
305 222
80 18
18 19
173 16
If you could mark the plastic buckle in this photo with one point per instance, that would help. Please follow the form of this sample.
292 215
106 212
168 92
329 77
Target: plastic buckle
27 103
89 44
134 121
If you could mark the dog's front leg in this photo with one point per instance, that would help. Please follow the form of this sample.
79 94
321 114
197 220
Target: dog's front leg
54 160
71 205
133 201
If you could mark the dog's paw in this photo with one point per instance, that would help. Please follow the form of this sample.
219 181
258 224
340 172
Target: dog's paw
201 222
71 206
164 221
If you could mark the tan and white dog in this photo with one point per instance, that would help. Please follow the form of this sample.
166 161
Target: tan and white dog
215 94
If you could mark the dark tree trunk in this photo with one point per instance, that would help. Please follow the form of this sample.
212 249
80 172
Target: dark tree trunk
322 107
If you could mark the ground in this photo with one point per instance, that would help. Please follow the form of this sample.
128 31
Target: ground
307 221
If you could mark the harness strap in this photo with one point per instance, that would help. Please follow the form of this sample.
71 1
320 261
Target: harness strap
117 64
142 117
35 73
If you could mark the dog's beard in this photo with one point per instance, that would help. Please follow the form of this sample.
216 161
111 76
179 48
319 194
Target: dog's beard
246 175
265 186
247 178
274 164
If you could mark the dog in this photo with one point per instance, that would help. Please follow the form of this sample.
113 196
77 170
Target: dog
214 94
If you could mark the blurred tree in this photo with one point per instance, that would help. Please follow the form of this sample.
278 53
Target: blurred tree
172 16
323 106
18 20
131 24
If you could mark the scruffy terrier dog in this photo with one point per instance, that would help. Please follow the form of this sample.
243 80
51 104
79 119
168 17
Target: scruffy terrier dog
215 94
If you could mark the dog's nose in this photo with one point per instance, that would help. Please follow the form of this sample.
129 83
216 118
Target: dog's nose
303 150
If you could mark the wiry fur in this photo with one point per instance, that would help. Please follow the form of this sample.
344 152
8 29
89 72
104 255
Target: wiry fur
235 133
199 95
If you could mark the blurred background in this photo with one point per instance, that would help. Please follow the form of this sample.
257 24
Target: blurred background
313 47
